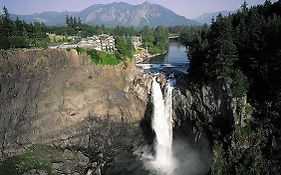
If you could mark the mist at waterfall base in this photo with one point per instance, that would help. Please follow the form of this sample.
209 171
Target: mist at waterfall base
173 152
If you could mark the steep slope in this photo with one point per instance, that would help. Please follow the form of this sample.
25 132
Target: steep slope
59 98
114 14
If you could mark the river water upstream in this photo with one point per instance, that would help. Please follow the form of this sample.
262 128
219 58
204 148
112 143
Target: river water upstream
177 53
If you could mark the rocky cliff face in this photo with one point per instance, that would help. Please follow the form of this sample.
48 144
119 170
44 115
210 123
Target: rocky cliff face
87 115
204 105
57 98
211 112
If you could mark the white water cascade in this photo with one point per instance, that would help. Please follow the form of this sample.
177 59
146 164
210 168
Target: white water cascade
162 125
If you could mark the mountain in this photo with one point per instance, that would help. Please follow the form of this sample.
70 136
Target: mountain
114 14
49 17
207 17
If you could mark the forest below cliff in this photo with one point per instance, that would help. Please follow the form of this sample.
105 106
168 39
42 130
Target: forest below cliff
244 49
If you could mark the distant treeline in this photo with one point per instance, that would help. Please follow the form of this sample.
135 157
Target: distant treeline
19 34
245 49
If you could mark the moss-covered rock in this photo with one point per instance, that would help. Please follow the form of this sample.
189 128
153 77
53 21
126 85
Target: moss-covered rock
35 157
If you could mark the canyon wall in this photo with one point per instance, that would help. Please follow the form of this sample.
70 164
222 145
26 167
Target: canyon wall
90 113
58 98
214 121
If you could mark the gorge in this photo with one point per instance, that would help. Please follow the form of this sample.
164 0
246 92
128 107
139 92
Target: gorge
124 110
95 118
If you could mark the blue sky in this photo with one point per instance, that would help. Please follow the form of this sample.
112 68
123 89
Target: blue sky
187 8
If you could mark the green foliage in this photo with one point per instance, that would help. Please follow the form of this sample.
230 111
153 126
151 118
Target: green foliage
249 109
80 50
62 39
147 37
118 56
239 84
190 35
6 29
243 170
125 47
122 31
219 164
73 22
245 131
161 38
155 40
249 41
35 157
108 59
62 30
19 42
19 34
222 51
85 30
102 58
245 48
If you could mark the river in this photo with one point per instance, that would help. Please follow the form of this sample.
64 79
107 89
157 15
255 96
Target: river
177 53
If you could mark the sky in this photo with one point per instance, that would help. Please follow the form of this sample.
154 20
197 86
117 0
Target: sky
187 8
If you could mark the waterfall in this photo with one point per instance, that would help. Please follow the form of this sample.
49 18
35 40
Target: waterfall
162 125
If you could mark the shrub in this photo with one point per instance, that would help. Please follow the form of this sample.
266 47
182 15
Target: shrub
102 58
219 163
249 109
80 50
239 83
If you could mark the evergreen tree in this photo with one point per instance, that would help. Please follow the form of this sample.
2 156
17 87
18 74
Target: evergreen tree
147 37
161 39
244 7
6 29
71 21
74 25
79 22
252 36
19 34
67 20
222 51
125 46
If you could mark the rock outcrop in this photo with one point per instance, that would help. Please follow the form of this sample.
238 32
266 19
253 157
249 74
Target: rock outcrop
212 112
59 98
204 105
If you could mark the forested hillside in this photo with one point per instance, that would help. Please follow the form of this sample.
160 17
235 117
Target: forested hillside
245 50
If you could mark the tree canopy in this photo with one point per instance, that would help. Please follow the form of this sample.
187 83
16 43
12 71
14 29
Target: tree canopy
245 49
19 34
